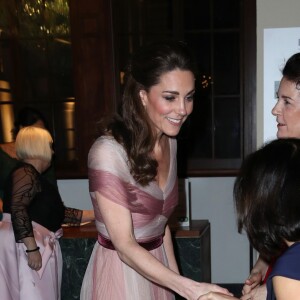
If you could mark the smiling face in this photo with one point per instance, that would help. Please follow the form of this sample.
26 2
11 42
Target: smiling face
170 102
287 110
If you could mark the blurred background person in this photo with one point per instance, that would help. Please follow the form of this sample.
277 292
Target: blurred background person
33 212
27 116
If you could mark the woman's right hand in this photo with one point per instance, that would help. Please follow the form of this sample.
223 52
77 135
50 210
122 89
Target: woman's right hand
253 281
258 293
256 276
34 260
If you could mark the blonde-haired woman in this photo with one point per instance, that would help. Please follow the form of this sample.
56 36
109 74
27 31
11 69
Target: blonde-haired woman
30 257
34 143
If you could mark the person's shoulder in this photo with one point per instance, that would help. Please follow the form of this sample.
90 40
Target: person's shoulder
288 262
291 252
25 170
26 167
106 151
106 143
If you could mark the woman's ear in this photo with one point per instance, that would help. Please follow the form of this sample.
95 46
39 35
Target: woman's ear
143 96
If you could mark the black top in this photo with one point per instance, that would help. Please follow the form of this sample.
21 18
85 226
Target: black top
28 196
8 164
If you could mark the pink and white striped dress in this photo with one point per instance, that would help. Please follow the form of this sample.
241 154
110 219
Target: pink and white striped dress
107 277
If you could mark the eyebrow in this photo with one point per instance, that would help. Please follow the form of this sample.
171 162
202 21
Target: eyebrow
284 96
177 93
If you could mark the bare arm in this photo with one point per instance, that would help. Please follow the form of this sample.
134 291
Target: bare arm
286 288
119 225
253 288
168 244
256 276
88 215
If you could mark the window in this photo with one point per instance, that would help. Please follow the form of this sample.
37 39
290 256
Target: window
219 132
37 66
67 60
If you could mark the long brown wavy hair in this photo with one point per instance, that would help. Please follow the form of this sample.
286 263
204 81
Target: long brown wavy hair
132 127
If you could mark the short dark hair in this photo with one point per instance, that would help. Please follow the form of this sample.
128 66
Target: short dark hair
267 196
291 70
27 116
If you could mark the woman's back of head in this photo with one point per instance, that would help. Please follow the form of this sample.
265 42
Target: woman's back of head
267 193
34 143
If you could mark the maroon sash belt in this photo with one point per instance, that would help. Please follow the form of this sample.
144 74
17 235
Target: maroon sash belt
150 245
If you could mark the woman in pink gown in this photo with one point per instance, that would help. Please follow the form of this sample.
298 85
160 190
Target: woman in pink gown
133 183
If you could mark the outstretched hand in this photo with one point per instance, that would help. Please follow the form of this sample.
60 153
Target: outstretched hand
217 296
213 290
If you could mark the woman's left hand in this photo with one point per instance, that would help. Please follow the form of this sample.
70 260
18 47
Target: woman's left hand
34 260
216 296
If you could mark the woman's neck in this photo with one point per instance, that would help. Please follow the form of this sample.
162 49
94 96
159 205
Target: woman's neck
36 163
160 145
